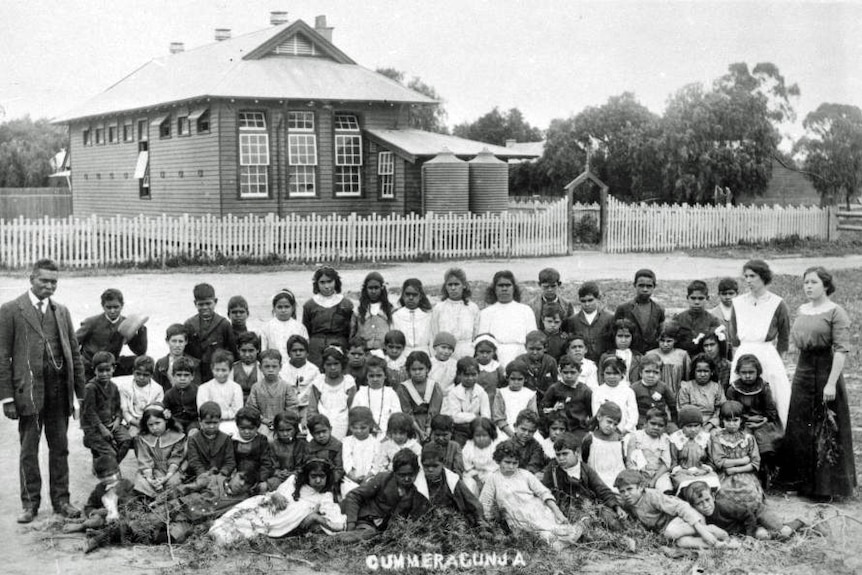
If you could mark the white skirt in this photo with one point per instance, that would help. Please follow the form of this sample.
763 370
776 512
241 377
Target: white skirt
774 373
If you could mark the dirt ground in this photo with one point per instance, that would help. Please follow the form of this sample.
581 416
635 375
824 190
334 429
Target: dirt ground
166 297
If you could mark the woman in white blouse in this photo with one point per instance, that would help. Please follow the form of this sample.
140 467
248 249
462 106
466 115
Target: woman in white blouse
506 318
455 313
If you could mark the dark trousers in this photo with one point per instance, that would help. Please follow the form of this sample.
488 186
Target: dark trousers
54 420
118 446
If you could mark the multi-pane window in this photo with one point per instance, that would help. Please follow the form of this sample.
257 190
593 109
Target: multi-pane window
128 132
183 126
348 156
386 174
253 155
204 122
301 154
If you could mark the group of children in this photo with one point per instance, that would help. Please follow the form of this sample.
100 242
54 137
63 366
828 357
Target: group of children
606 415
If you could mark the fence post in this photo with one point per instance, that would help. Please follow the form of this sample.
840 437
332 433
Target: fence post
570 220
831 223
603 220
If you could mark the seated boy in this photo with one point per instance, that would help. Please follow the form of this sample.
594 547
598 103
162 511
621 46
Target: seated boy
210 452
99 333
552 326
578 488
207 331
666 514
531 456
177 339
443 365
135 395
444 488
542 368
442 427
569 397
182 398
106 500
102 412
246 370
371 506
695 322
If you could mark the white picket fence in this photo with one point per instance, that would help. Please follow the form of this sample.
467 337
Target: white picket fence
99 240
658 228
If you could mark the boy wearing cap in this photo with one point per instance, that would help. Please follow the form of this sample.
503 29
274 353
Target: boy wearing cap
102 333
443 365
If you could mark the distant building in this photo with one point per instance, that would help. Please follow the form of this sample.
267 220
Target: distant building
786 187
276 121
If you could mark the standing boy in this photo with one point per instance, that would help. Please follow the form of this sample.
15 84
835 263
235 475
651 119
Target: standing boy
592 322
646 315
207 331
695 322
177 339
100 333
102 413
549 283
41 377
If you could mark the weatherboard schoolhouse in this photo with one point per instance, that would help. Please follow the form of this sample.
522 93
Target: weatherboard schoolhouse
276 121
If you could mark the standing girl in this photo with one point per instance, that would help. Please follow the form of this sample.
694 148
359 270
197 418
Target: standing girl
822 333
419 395
373 318
675 362
506 318
492 376
326 316
161 448
455 313
603 448
466 401
332 391
377 396
413 318
277 331
737 460
622 349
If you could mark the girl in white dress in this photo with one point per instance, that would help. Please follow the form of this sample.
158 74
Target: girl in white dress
455 313
275 333
760 325
376 396
478 454
413 318
603 448
506 318
332 392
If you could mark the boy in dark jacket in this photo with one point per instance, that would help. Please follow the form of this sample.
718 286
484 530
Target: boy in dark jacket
208 331
102 414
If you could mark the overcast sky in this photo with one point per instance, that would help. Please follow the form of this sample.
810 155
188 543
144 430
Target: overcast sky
549 58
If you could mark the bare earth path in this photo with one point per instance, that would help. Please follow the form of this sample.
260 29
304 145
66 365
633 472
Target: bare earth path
167 298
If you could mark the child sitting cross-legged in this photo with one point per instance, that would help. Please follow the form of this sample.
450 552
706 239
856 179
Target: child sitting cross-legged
603 448
288 447
306 502
690 451
400 434
441 434
478 454
665 514
135 395
359 447
466 401
519 498
648 450
210 451
272 395
444 488
102 412
578 488
222 390
570 398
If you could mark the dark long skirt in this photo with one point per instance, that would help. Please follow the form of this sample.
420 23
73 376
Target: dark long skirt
801 462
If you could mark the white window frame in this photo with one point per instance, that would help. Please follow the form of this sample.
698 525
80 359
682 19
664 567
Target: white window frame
253 155
184 121
143 127
386 174
348 156
100 135
113 135
302 165
128 131
87 137
300 121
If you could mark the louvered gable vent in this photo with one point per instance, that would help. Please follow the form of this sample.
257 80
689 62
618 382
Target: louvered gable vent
297 45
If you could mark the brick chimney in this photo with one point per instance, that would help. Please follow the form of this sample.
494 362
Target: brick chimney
222 34
321 28
177 47
277 18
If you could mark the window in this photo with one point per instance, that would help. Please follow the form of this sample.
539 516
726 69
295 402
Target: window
87 137
301 154
253 155
112 134
183 126
348 156
300 121
128 132
165 127
100 135
201 119
142 170
386 175
143 132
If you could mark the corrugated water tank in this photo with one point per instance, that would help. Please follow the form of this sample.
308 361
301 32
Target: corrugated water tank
489 184
445 184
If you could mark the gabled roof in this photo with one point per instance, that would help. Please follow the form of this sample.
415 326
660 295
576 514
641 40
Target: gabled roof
412 144
249 66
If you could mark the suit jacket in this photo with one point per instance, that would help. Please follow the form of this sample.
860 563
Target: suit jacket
21 356
98 334
597 336
203 341
161 374
645 337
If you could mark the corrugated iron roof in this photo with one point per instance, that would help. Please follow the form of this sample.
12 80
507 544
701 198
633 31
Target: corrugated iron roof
239 68
412 144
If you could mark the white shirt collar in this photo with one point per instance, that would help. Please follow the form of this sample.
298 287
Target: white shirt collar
35 301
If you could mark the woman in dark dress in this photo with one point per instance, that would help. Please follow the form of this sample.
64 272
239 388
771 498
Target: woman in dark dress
326 315
819 463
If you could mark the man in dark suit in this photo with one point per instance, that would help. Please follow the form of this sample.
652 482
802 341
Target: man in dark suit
41 380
